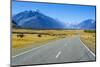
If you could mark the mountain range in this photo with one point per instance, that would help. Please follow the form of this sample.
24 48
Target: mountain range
38 20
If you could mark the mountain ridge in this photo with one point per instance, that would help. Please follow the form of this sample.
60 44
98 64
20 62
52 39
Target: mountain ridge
37 20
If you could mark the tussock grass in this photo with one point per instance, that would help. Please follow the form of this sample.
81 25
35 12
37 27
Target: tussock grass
29 39
90 31
89 39
87 36
33 39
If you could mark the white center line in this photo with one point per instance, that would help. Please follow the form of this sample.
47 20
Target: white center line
58 54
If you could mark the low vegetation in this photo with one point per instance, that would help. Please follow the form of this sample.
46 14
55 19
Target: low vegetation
90 31
30 39
34 37
89 39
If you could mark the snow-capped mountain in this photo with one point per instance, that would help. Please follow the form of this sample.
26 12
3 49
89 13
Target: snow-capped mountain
88 24
36 20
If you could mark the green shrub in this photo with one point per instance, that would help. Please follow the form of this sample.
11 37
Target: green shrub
90 31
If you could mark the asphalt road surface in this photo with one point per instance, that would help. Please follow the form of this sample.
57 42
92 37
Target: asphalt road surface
62 50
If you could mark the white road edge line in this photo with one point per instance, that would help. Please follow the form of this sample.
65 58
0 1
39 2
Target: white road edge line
28 51
58 54
88 48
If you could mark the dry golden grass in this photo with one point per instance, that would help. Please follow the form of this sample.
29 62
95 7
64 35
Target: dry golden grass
66 32
89 40
29 39
33 39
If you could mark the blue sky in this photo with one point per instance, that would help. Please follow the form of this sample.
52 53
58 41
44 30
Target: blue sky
72 14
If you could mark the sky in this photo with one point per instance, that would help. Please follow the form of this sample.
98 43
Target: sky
66 13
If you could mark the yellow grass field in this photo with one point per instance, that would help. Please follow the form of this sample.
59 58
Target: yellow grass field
89 39
33 39
29 39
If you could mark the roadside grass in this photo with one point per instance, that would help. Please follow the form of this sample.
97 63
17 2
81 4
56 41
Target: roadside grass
89 39
33 39
87 36
90 31
29 39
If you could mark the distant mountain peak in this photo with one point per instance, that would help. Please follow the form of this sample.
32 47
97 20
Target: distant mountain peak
88 24
36 20
37 10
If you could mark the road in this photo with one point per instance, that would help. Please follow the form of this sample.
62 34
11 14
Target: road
62 50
